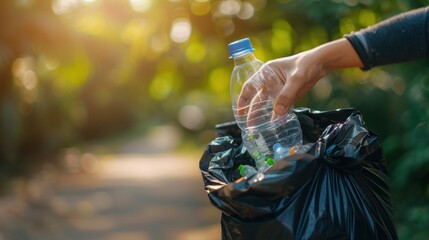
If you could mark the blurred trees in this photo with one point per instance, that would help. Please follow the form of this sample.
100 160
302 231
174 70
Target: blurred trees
77 70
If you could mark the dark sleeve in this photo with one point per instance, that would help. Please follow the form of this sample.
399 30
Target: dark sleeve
397 39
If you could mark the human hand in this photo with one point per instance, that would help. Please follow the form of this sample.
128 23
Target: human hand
284 79
289 78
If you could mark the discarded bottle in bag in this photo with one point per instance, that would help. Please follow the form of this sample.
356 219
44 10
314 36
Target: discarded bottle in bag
281 152
246 170
254 113
266 165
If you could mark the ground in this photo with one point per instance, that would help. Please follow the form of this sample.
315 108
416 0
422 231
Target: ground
125 196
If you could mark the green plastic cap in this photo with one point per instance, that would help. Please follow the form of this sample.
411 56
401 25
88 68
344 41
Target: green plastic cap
241 169
270 161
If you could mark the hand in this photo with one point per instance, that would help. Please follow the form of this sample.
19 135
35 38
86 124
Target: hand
298 73
284 79
289 78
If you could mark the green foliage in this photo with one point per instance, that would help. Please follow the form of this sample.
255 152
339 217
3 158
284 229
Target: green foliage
91 69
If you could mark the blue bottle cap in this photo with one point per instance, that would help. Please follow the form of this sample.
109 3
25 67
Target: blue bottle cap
240 47
277 146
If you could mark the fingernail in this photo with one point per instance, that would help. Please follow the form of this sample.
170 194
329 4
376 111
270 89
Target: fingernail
280 109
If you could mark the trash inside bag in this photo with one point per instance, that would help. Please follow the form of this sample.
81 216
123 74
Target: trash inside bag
336 190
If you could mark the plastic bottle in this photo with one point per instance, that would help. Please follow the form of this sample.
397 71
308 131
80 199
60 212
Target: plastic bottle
281 152
246 170
266 165
260 131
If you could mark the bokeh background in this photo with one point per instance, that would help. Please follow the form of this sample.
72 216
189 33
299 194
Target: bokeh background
81 80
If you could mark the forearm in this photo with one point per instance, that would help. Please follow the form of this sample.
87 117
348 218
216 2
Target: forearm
337 54
300 72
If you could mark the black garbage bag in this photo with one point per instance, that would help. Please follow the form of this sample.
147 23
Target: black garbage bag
337 190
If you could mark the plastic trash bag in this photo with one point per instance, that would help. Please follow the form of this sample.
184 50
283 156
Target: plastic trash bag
338 190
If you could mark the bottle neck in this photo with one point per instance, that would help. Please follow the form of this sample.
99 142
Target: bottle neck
244 59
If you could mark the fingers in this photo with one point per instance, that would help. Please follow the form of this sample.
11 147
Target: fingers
286 97
258 109
305 89
247 94
250 90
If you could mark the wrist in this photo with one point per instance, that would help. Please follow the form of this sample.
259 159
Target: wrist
337 54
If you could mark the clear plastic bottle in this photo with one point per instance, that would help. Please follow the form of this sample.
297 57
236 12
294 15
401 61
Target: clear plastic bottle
269 162
260 130
281 152
246 170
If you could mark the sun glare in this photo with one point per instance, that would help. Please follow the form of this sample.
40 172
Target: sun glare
230 7
140 5
60 7
181 30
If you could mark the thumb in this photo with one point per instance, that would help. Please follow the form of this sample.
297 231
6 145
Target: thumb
285 99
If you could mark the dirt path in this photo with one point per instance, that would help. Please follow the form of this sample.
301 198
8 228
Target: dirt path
124 197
